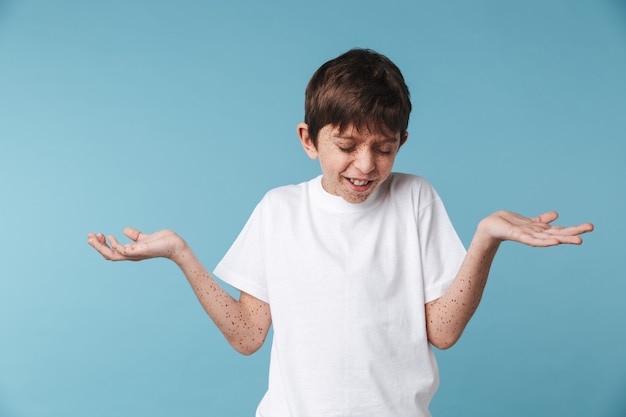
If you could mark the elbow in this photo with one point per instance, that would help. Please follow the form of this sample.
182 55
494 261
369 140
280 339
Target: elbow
443 336
443 344
443 341
246 350
246 347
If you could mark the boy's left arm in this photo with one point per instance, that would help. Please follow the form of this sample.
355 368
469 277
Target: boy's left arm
447 316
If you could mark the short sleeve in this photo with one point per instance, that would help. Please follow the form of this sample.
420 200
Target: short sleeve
441 249
243 266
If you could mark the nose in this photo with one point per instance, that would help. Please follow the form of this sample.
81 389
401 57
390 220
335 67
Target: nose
364 161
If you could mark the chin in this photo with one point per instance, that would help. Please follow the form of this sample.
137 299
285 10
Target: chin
356 199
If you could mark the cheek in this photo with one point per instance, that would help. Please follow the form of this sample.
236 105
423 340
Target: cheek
333 162
386 164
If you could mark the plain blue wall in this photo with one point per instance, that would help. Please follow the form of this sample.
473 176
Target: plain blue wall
161 114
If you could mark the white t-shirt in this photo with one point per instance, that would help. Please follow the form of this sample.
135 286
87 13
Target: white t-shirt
347 284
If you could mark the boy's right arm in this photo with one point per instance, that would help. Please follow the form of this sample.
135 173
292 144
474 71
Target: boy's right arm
244 322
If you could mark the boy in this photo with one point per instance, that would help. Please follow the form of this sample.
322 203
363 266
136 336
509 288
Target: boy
359 270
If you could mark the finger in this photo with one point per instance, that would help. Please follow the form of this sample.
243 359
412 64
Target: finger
132 233
571 240
565 239
547 217
99 244
537 240
550 239
586 227
128 252
94 236
96 239
571 230
116 246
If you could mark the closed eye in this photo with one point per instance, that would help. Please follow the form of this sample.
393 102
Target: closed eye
387 150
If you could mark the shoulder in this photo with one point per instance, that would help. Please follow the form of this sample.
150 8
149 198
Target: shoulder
287 195
417 188
289 190
400 179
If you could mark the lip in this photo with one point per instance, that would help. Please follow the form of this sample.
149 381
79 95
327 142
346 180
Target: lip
360 188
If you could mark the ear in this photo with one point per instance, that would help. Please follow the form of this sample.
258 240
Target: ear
404 138
306 141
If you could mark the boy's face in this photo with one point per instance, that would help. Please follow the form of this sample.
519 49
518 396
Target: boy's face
354 162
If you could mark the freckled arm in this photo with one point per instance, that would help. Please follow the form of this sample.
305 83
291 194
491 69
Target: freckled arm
244 322
447 316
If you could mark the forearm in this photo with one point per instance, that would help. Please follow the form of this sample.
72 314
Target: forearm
244 325
448 316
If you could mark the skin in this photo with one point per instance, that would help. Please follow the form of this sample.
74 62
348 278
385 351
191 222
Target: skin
447 316
354 163
354 154
244 322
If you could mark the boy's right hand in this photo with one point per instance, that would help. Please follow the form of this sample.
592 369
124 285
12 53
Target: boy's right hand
162 244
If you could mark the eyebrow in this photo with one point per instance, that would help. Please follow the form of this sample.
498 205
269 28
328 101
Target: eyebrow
386 140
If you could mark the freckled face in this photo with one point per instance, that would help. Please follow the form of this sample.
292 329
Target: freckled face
354 163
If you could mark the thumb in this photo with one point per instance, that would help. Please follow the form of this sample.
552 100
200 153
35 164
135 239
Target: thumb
547 217
132 233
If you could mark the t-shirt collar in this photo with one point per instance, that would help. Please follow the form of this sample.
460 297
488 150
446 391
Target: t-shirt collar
336 203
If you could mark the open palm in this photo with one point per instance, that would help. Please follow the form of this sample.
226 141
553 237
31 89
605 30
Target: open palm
536 231
161 244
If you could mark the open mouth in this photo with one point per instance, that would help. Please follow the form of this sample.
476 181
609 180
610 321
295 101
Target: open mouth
359 183
360 186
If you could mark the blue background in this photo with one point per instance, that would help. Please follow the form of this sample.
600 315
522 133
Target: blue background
163 114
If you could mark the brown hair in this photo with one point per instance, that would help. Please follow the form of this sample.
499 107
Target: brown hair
360 87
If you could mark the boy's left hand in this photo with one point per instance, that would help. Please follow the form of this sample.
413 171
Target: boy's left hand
536 231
